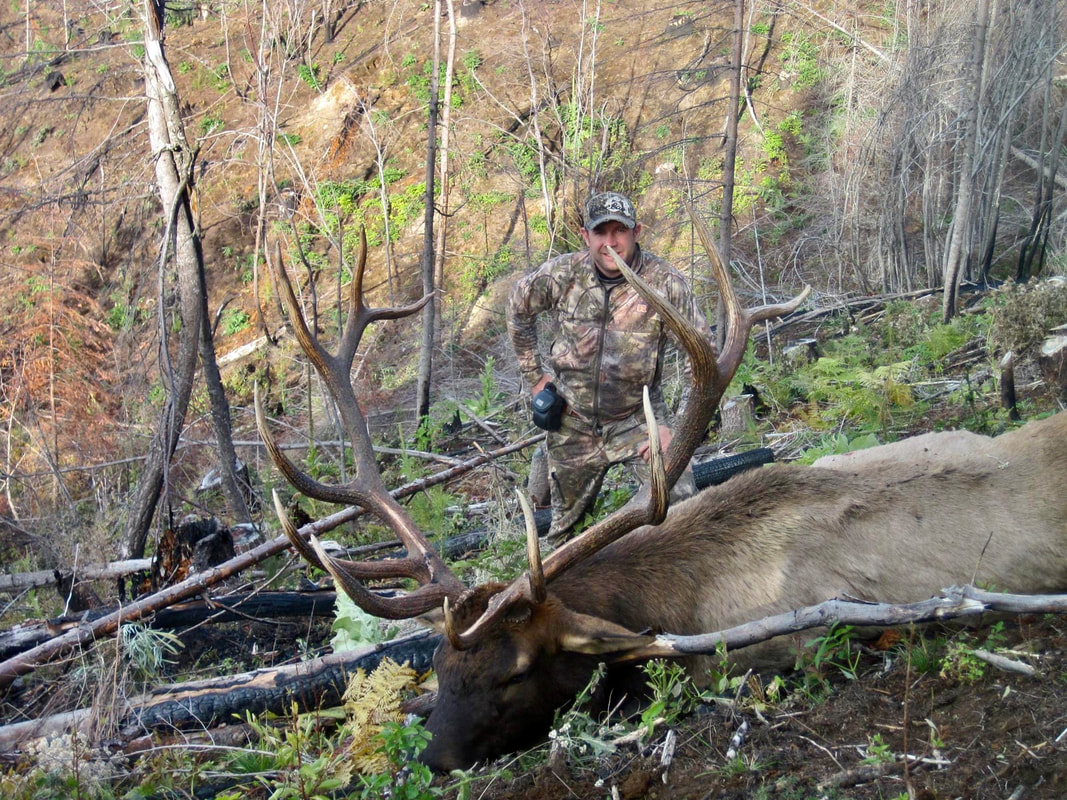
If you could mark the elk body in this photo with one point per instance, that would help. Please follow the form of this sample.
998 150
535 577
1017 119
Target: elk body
896 523
893 523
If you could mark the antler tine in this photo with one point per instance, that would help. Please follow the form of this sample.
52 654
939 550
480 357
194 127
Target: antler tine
366 488
538 590
739 320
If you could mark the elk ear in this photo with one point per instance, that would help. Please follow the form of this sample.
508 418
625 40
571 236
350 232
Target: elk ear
594 636
434 619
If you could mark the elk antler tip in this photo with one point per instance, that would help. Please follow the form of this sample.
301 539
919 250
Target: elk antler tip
538 590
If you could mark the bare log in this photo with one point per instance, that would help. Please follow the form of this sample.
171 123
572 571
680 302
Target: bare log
1002 662
203 704
18 581
954 603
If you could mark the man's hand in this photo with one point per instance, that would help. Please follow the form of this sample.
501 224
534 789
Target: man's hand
545 379
665 436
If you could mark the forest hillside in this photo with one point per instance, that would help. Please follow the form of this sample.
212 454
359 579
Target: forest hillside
160 161
861 130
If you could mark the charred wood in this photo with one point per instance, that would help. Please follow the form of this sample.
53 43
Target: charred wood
197 705
229 608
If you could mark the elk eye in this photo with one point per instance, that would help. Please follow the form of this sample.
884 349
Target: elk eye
519 677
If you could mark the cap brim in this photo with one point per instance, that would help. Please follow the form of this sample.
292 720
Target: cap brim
629 223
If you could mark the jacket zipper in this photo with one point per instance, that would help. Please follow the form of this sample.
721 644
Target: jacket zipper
604 315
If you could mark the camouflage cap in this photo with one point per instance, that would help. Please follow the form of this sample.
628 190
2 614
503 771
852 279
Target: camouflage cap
609 206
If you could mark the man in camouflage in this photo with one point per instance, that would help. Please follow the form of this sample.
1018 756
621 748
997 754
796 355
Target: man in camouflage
607 344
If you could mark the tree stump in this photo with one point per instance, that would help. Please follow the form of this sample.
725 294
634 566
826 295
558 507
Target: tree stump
801 351
738 416
1007 386
1053 363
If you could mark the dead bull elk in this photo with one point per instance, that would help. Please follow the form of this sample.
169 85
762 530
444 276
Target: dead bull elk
895 523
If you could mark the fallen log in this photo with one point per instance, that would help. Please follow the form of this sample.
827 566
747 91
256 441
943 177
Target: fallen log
318 683
18 581
228 608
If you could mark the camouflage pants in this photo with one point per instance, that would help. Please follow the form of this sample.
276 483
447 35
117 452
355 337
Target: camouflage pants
578 458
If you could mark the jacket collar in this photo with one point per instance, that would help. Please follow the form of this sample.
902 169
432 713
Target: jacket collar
636 266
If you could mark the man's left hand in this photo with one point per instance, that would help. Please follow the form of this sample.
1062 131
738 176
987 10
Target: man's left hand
665 436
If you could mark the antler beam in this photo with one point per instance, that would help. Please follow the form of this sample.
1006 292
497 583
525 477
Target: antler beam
366 488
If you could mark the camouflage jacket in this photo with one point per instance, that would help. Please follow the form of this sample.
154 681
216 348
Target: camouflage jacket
606 342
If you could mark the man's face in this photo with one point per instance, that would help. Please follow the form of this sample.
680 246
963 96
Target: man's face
615 235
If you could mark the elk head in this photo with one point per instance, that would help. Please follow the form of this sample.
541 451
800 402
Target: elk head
511 653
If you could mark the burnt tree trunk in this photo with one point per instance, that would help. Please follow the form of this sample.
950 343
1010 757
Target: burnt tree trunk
174 160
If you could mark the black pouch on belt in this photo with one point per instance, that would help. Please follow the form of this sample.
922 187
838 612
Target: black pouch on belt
548 407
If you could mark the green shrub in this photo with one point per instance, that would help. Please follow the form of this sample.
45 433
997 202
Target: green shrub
1022 314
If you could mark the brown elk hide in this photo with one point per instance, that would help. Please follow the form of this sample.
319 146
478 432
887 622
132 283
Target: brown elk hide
895 523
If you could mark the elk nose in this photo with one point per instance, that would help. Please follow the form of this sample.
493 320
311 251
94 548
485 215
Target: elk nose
441 758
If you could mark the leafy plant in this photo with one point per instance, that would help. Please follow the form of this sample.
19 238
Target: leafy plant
208 124
430 509
801 55
309 74
673 694
578 734
472 59
479 272
220 78
489 398
831 652
401 742
353 627
961 664
148 649
878 752
235 321
295 761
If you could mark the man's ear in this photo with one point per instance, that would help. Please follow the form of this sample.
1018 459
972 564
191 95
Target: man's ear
594 636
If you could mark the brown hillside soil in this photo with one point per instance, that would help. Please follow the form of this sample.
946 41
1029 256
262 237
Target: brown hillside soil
1002 735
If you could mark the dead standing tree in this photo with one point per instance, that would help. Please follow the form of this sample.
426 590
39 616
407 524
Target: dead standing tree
174 162
961 222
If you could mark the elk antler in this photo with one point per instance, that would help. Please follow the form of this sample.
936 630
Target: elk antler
366 489
710 376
